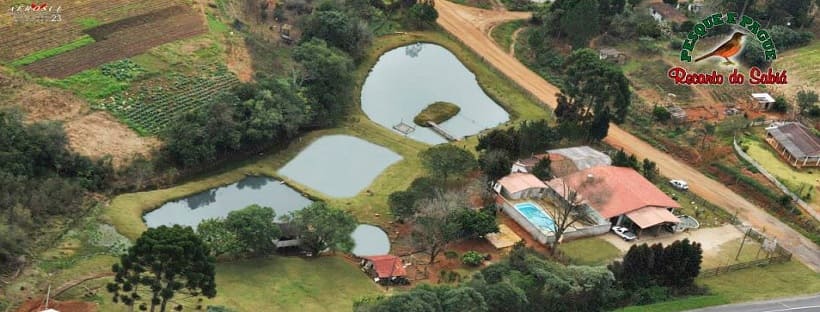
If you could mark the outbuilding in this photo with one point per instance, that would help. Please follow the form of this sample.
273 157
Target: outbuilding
795 143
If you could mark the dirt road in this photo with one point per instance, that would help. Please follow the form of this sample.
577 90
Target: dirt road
470 26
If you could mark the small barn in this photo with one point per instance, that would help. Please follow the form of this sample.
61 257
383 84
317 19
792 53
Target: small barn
385 269
612 55
763 101
795 143
520 185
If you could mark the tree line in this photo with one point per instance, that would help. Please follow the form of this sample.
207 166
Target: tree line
526 281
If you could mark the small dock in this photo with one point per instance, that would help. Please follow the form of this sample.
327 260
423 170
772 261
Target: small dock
437 129
404 128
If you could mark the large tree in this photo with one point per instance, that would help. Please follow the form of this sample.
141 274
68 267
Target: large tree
340 29
446 160
163 263
322 227
580 21
567 212
218 237
436 222
593 84
328 77
495 164
255 228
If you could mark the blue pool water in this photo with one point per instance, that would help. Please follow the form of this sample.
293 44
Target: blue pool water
536 216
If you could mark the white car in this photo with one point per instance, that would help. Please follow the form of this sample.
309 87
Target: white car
624 233
679 184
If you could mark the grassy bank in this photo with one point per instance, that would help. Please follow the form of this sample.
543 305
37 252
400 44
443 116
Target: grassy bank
503 33
590 251
437 112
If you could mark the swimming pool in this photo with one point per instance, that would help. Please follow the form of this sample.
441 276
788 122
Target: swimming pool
536 216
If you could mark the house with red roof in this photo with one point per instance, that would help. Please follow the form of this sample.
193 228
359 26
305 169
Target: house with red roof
620 195
385 269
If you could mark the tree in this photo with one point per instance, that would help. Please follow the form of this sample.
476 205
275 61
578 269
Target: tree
806 100
636 269
581 22
255 228
661 114
476 223
600 126
681 262
273 109
423 14
495 164
322 227
542 168
650 169
436 222
402 204
622 159
780 105
339 29
708 131
504 297
501 139
164 262
535 136
671 2
328 79
568 211
592 84
444 160
634 3
463 299
219 239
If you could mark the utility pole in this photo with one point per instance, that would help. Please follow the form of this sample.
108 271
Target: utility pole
742 242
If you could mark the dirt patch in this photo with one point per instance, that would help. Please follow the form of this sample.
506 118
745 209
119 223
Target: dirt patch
99 134
41 103
239 60
126 39
710 238
36 305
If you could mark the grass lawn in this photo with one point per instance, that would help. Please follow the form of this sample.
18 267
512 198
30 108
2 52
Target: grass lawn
291 284
590 251
39 55
800 182
502 34
803 62
707 214
726 253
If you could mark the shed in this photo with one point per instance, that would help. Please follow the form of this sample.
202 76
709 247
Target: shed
583 157
385 268
763 101
665 13
612 54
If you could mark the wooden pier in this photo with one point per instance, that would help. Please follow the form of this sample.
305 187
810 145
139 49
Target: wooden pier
437 129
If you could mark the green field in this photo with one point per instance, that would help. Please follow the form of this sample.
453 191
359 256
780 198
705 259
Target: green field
800 182
803 62
39 55
502 34
590 251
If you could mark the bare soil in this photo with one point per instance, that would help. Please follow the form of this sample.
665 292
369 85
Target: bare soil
36 305
42 103
99 134
470 26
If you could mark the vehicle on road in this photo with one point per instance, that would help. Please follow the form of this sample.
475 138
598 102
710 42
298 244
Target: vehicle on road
624 233
679 184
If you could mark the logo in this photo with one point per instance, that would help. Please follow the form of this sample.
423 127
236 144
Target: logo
35 13
746 28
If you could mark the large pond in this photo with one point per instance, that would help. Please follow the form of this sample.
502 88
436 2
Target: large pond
370 241
407 79
218 202
339 165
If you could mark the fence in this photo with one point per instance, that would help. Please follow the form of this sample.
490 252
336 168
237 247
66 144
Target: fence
774 180
775 254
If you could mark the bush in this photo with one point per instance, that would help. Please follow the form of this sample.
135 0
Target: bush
651 295
472 258
661 114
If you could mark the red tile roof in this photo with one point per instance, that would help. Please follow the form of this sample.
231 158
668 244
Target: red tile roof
614 191
387 266
516 182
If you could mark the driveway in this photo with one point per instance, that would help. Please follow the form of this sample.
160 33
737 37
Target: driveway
709 238
471 26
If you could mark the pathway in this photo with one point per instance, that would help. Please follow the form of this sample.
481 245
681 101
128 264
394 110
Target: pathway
514 39
470 26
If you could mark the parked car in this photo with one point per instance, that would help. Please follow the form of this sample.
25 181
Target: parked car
624 233
679 184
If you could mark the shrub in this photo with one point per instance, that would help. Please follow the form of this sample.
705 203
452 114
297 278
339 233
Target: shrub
450 254
661 114
472 258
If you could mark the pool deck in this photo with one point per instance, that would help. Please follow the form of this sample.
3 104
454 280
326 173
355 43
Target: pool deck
505 237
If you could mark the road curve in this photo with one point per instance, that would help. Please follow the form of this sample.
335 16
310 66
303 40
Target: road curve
470 26
798 304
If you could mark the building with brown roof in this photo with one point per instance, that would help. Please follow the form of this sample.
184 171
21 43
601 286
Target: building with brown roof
665 13
519 185
385 268
564 161
795 143
620 195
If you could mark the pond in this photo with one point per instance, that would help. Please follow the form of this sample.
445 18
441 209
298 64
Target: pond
407 79
218 202
370 241
339 165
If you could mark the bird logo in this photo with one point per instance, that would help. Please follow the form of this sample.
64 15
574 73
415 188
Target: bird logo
728 49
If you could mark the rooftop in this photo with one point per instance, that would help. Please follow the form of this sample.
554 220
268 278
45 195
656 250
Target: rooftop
614 191
763 97
387 266
516 182
797 139
583 156
669 12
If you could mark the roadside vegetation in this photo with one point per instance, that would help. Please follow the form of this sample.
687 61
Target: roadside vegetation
503 33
